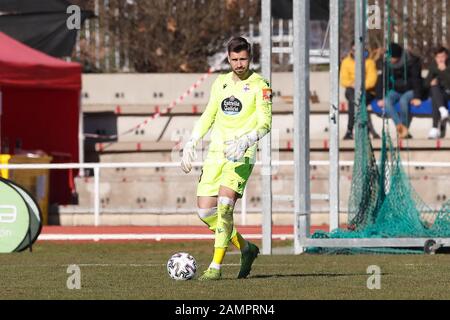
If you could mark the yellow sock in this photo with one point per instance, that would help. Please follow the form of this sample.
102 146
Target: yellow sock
238 241
219 255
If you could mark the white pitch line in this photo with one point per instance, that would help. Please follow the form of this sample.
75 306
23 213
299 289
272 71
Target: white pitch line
118 265
157 237
134 265
163 265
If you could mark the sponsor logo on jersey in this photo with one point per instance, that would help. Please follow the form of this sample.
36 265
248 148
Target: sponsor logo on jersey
231 106
267 94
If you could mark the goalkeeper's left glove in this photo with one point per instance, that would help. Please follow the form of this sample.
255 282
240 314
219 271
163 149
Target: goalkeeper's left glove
235 149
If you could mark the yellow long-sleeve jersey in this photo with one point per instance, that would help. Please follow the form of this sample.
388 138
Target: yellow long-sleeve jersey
347 73
235 109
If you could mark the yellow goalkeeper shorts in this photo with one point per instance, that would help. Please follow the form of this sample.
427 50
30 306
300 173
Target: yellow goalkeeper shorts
218 171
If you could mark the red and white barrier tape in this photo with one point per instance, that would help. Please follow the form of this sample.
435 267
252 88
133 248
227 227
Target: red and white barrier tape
158 113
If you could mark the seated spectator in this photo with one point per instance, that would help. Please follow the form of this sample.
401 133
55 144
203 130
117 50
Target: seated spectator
405 84
347 78
438 82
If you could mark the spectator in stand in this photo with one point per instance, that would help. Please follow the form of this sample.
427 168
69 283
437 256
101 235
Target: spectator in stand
347 78
405 84
438 82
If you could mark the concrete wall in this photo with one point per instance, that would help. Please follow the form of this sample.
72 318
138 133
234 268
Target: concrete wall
164 88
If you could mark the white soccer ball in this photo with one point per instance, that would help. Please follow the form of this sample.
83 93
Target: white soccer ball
181 266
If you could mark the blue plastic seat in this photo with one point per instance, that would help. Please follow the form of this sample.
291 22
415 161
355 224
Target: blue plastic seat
425 109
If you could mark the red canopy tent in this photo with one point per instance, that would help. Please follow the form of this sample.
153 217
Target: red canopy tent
40 107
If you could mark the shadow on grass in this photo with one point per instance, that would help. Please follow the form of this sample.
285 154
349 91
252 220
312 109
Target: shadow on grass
329 275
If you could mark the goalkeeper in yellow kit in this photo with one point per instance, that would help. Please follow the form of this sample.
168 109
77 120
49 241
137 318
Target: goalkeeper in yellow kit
239 113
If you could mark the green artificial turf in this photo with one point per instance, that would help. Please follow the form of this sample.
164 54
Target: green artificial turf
137 270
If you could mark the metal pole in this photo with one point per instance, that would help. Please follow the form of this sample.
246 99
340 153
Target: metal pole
444 23
405 24
117 42
360 23
334 114
97 35
106 37
96 196
80 135
302 196
266 145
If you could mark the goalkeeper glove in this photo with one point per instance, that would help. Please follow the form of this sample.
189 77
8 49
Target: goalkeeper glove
235 149
189 155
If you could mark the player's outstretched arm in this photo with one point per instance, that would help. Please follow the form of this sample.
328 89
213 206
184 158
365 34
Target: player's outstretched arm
201 127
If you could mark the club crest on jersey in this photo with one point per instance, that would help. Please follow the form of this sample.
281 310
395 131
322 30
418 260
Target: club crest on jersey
246 87
231 106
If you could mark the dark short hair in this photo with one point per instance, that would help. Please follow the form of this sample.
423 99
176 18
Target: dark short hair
396 50
440 50
238 44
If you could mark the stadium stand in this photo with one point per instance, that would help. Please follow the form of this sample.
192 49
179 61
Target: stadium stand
114 104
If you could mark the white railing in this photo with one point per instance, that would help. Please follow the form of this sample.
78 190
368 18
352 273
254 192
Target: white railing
98 166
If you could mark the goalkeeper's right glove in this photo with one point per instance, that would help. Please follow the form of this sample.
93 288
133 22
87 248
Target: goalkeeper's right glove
189 155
